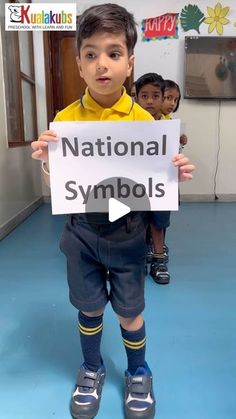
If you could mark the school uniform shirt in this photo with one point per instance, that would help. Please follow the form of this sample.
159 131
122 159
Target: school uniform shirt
87 109
165 117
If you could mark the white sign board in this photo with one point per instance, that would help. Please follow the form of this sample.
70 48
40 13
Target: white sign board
87 153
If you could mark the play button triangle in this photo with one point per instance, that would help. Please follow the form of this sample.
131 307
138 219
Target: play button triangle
117 209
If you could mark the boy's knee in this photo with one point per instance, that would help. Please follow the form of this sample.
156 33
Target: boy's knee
95 313
131 323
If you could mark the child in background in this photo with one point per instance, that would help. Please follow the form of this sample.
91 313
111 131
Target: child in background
149 91
133 91
170 105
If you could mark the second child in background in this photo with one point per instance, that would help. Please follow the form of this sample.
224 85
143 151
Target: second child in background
132 92
149 94
170 104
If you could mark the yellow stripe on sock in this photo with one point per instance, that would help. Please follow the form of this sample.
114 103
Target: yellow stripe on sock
158 255
134 345
92 331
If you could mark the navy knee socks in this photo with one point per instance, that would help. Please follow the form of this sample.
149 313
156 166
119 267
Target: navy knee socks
90 337
135 346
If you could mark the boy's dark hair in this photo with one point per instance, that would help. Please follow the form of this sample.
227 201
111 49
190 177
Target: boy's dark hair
110 18
149 78
170 84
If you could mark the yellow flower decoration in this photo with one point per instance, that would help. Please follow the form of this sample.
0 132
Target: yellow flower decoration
217 18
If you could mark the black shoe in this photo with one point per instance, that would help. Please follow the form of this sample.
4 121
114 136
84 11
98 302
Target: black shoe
139 397
159 272
166 253
86 397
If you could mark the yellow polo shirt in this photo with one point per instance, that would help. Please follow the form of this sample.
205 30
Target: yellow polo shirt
86 109
165 117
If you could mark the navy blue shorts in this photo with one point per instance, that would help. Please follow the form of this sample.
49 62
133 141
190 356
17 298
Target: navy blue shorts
160 219
91 249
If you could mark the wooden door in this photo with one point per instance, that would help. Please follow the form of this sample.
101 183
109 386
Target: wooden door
63 82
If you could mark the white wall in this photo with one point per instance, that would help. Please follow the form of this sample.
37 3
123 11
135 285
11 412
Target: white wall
20 179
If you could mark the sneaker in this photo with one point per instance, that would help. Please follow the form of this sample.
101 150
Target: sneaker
139 397
166 253
86 397
159 272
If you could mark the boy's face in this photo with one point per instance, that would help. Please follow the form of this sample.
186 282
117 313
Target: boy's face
170 101
150 98
104 64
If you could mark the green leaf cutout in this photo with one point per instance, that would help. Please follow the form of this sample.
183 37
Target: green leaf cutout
191 17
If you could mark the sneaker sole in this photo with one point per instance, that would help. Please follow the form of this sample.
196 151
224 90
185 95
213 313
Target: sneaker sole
85 412
149 414
82 417
161 282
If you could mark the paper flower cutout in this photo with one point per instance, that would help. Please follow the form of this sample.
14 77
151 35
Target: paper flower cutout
217 19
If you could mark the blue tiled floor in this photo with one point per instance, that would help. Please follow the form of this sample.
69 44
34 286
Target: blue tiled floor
191 323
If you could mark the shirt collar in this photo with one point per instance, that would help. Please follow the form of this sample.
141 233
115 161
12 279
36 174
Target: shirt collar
123 105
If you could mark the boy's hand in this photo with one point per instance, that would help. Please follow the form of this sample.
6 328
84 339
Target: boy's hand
185 169
40 146
183 139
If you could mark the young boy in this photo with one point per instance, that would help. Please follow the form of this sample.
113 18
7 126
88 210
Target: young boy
149 91
105 39
170 104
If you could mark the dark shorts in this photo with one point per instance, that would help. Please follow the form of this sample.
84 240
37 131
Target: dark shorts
92 249
160 219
